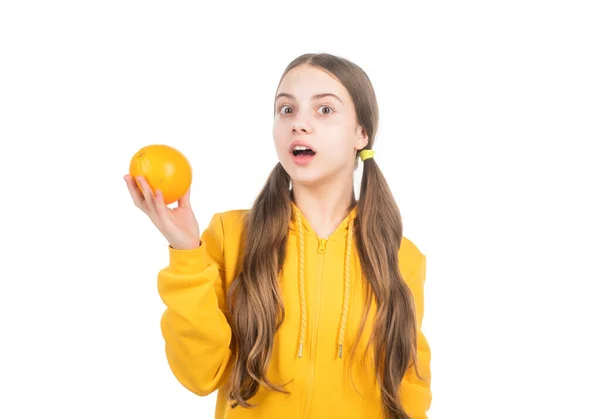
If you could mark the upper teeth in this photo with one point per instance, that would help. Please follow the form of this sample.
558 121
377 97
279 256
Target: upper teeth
301 147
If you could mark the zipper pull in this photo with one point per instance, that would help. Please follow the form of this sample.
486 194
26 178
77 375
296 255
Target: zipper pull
322 244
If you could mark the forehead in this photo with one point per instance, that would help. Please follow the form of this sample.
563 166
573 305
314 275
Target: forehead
306 80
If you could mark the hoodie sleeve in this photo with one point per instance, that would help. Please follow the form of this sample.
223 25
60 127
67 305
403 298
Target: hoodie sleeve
416 393
196 332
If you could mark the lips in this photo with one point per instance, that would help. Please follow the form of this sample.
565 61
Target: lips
303 159
297 143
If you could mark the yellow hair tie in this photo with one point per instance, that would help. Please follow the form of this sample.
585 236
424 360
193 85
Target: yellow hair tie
366 154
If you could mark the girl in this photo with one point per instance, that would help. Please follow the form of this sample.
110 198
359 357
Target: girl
309 304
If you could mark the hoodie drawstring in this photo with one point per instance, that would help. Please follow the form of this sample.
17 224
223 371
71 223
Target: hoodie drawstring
344 315
302 287
346 287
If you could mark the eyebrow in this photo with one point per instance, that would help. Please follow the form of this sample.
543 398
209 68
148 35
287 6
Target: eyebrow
317 96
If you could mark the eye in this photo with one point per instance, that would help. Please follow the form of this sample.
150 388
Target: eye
327 107
282 107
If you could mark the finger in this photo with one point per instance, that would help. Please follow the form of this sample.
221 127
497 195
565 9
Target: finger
166 221
134 191
148 196
161 208
184 201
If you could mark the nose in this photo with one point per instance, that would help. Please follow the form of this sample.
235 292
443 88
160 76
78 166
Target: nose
300 124
299 127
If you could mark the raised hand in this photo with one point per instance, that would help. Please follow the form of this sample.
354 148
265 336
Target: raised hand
178 225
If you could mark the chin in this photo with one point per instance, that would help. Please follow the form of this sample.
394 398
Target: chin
307 177
303 175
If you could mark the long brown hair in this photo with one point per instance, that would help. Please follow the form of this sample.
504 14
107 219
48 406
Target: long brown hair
254 300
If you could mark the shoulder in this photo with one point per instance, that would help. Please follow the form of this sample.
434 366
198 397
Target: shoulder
231 225
232 219
224 225
227 227
410 257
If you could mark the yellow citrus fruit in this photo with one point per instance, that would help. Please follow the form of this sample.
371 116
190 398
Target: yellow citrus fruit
164 168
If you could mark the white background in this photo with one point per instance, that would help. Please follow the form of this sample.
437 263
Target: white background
490 123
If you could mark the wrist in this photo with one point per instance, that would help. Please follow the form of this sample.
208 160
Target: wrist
185 246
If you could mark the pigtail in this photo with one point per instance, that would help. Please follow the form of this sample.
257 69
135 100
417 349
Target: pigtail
254 299
394 335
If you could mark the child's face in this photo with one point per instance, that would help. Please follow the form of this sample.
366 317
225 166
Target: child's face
325 124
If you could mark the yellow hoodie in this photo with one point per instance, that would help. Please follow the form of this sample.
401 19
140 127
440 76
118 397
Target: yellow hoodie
323 296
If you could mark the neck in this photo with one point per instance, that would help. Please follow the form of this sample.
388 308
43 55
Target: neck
325 206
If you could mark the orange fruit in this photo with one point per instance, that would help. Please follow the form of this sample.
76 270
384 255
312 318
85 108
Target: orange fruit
164 168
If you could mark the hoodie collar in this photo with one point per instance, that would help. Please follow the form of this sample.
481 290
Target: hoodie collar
340 233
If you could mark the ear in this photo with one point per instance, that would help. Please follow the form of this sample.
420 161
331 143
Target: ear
362 139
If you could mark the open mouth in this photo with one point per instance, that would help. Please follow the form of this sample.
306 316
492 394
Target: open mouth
303 151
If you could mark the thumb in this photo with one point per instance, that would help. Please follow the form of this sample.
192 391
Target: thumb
184 201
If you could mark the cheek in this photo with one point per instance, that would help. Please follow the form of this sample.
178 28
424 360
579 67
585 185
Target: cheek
338 141
277 131
336 154
280 139
280 127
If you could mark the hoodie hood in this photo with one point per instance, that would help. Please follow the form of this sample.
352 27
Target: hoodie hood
301 229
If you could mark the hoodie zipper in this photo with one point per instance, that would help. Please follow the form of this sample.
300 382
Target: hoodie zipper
311 358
